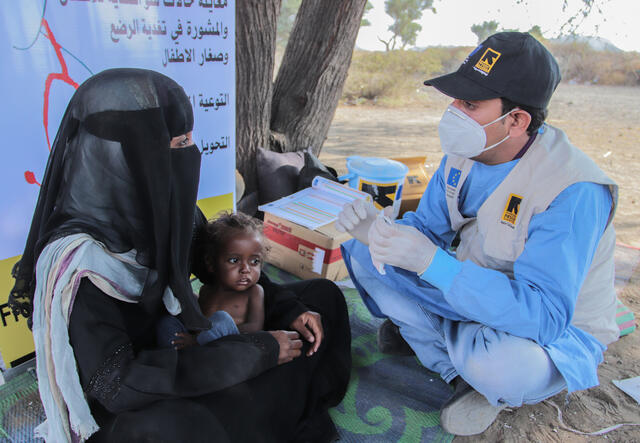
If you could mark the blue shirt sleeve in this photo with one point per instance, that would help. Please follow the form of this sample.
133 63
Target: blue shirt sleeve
539 301
432 215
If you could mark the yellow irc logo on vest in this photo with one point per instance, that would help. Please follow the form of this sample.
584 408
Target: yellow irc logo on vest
510 213
487 61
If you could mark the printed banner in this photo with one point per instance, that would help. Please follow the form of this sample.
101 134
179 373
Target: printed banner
48 48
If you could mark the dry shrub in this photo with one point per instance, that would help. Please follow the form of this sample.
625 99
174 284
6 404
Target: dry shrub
450 57
579 63
394 78
390 77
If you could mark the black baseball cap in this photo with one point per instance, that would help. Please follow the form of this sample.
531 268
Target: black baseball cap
513 65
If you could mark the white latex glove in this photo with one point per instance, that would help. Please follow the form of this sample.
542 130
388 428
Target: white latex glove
386 216
401 246
356 218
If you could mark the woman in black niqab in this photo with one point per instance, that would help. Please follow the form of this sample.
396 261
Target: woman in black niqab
112 175
108 254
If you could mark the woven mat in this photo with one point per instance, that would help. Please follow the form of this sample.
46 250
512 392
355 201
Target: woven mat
390 399
20 408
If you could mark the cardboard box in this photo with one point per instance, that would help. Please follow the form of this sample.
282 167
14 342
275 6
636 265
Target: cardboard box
304 252
415 182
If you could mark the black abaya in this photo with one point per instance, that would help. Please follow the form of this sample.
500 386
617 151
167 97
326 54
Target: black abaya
230 389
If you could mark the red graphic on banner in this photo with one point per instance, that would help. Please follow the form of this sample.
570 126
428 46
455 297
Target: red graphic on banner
63 76
31 178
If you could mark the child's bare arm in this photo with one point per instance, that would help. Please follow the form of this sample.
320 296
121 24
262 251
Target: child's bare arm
206 300
255 311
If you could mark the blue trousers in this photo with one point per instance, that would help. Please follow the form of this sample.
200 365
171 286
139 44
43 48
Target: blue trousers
222 324
504 368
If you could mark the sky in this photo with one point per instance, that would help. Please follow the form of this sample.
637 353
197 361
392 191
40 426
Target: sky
451 24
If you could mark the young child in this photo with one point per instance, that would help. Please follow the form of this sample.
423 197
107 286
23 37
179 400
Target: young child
228 256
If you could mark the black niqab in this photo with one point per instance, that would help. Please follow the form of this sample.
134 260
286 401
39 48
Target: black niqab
111 174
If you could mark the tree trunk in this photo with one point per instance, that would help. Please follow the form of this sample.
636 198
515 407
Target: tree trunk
295 113
256 22
313 71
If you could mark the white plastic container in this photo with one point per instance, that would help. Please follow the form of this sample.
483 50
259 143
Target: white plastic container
382 178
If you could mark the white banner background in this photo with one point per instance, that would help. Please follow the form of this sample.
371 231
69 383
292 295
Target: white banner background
50 47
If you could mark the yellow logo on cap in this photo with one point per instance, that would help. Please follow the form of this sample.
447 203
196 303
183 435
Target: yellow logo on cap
510 213
487 61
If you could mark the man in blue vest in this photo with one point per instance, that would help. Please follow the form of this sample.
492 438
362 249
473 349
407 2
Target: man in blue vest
523 305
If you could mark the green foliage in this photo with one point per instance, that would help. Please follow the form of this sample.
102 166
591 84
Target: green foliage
405 13
484 29
367 8
536 32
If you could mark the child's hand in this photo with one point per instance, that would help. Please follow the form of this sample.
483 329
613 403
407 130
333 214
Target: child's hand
183 340
309 325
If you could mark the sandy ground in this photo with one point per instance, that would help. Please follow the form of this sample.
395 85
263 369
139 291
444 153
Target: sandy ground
605 123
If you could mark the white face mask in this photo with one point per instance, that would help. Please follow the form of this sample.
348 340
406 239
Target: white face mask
461 135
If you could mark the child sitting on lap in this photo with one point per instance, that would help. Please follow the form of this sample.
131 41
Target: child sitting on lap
231 250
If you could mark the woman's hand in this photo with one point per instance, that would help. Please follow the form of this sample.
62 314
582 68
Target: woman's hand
290 345
183 340
309 325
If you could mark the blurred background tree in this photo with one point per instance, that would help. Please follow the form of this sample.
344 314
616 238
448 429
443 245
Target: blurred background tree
405 14
484 30
537 33
368 7
487 28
